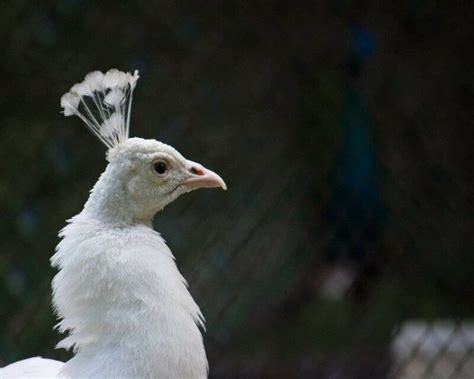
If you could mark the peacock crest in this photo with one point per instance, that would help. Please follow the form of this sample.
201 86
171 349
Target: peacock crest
103 102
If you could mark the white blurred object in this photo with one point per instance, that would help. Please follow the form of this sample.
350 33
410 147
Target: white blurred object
337 282
442 349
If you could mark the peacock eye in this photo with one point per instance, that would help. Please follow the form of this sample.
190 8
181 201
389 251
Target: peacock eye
160 167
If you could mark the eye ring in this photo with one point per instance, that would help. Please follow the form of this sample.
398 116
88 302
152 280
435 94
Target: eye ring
160 167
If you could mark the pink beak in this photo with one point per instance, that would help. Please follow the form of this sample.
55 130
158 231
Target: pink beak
203 178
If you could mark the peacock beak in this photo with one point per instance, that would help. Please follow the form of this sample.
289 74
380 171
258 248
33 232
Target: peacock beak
201 177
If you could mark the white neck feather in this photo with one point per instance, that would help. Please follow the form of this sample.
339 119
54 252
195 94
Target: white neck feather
121 297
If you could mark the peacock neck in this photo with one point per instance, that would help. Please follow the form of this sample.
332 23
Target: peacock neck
111 203
124 303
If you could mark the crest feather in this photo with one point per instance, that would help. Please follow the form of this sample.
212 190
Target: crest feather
103 102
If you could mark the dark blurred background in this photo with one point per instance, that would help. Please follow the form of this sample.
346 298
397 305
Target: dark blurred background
343 130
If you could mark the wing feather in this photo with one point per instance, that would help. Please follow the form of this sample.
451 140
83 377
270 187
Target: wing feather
36 367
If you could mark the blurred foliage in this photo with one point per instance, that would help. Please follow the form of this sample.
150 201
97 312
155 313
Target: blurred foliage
344 132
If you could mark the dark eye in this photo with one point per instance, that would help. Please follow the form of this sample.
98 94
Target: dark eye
160 167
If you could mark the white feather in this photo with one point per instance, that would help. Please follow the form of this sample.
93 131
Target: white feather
94 80
115 78
32 368
114 97
70 102
120 294
110 126
98 97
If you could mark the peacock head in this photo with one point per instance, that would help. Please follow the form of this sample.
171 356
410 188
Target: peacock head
143 175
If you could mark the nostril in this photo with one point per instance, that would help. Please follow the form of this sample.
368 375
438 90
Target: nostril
197 170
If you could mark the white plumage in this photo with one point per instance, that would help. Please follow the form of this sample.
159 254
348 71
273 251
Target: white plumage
118 292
